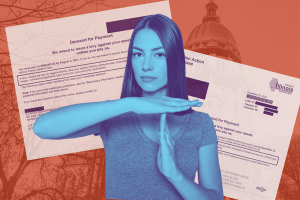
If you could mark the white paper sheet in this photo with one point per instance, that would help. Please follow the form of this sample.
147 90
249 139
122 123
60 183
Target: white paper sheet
67 61
254 112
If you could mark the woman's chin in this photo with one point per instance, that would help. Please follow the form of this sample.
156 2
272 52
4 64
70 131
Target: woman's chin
159 91
150 90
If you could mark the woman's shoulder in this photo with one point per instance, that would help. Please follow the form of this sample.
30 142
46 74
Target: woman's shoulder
197 115
201 122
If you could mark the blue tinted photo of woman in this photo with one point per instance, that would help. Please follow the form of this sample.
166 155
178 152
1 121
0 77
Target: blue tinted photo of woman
154 142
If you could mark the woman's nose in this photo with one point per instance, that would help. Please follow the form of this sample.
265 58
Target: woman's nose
147 64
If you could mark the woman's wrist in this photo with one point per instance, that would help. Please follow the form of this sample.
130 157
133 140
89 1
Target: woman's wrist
176 178
188 189
127 104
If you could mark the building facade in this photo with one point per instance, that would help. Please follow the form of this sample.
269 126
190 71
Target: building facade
213 38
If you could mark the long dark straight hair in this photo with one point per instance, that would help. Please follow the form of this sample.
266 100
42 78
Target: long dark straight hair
171 39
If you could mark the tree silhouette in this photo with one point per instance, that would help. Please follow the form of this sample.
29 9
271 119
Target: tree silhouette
289 187
72 176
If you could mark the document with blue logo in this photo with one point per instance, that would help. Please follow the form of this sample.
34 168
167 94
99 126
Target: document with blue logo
254 113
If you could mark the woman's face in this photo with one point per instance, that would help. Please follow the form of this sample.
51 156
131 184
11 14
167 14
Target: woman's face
149 63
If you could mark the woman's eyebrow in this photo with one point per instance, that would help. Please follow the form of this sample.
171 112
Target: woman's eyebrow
157 48
138 49
154 49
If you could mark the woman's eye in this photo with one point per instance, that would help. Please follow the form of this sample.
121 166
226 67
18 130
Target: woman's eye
160 55
137 54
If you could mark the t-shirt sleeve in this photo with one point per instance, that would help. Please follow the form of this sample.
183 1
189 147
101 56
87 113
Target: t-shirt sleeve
209 132
101 130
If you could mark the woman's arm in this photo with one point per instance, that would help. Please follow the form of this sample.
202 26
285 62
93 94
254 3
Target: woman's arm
210 181
78 120
209 174
83 119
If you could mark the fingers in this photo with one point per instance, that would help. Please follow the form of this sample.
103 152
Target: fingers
162 138
159 159
162 125
176 102
171 99
161 142
169 138
166 141
174 99
171 109
199 104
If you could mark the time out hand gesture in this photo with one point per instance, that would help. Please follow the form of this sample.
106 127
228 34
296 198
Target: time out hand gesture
159 105
165 157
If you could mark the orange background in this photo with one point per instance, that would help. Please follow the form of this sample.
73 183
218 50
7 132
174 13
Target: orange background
266 32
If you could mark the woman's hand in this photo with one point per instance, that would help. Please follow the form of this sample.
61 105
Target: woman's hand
159 105
210 182
165 157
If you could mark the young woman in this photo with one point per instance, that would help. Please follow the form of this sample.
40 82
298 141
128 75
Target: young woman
154 142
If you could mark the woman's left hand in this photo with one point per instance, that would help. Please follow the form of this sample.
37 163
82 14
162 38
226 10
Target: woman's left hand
165 157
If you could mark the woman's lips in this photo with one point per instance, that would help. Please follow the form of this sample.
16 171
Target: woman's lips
148 78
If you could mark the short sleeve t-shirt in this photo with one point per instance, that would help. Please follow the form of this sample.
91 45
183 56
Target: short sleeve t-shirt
131 157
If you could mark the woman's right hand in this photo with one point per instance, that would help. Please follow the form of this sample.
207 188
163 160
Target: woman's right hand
157 105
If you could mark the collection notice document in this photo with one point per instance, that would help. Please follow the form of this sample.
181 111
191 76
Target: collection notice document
254 112
71 60
82 59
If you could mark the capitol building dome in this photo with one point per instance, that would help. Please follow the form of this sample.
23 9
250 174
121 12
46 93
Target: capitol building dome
213 38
